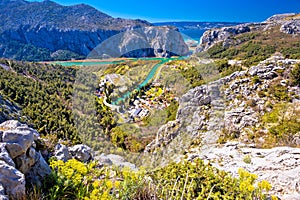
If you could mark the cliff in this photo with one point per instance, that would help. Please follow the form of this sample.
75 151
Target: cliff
233 36
47 31
248 114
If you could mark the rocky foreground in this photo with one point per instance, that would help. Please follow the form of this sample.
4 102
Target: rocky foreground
232 104
23 158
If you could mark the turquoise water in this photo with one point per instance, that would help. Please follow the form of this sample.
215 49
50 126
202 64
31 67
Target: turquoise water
144 83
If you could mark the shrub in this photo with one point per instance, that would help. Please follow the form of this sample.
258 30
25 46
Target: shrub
118 137
251 103
255 80
247 159
282 122
296 75
279 92
183 181
75 180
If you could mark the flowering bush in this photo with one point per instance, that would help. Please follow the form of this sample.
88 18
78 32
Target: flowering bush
186 180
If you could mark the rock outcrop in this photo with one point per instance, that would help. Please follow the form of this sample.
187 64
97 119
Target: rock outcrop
280 166
289 24
20 161
80 152
214 36
116 160
143 42
8 110
232 104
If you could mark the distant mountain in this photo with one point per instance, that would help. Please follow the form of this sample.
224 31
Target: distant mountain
197 25
195 30
254 42
20 14
48 31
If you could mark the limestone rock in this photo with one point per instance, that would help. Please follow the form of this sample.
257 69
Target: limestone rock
81 152
291 27
112 159
4 155
18 156
214 36
61 152
145 41
18 138
12 180
290 24
280 166
38 171
2 193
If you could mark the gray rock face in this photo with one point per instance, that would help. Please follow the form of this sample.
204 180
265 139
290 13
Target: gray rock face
77 30
280 166
290 24
214 36
12 180
116 160
146 41
81 152
19 160
291 27
61 152
38 171
2 193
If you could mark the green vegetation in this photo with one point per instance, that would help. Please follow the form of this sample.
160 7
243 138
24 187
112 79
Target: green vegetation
172 111
247 159
193 76
44 94
183 181
29 52
225 69
257 45
75 180
295 73
279 92
283 123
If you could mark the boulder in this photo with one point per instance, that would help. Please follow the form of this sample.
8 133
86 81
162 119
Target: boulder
20 162
116 160
81 152
61 152
12 180
18 137
38 171
4 155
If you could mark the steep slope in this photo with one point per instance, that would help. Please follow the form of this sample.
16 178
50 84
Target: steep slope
254 42
257 109
46 30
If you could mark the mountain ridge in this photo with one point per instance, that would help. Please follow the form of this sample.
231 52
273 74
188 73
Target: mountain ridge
43 31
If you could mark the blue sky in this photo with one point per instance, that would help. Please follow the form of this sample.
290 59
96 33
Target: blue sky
192 10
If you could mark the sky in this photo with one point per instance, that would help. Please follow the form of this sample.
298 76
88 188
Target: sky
192 10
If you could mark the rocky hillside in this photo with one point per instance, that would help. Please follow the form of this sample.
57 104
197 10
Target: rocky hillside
254 42
257 109
8 110
49 31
